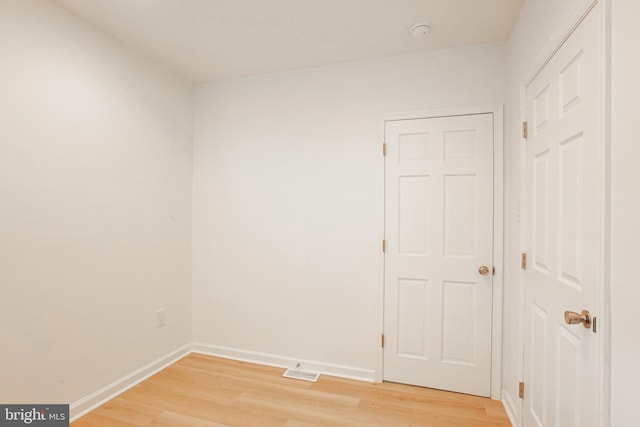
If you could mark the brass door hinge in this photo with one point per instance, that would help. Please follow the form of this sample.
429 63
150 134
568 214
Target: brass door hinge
384 149
525 130
384 245
382 341
523 261
521 389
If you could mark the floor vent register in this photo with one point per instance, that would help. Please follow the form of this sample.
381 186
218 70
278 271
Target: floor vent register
301 375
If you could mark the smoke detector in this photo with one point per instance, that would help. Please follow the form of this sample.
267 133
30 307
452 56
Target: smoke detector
420 31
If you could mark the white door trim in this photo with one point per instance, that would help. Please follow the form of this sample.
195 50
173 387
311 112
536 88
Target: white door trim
575 16
498 229
573 19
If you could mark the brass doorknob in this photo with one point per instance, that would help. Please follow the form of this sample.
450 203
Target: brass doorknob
572 318
483 270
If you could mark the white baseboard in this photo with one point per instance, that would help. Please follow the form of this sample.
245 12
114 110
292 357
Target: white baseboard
509 407
92 401
285 362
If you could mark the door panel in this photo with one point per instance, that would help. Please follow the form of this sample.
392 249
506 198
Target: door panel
563 216
439 230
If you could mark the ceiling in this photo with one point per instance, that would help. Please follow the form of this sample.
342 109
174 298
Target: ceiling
208 40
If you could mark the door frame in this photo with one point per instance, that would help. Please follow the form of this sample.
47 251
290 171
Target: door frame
498 229
574 18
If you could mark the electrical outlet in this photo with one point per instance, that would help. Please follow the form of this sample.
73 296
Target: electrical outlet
160 317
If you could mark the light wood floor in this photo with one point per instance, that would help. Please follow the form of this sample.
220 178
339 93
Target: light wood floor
208 391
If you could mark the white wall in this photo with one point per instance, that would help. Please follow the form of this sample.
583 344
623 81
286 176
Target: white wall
625 212
95 207
286 200
536 26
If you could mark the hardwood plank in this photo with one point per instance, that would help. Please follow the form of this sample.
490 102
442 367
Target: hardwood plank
205 391
171 419
308 409
296 423
128 412
96 419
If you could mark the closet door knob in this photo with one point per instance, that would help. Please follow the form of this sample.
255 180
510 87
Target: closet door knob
483 270
573 318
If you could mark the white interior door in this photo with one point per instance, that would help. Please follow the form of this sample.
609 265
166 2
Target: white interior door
439 231
563 215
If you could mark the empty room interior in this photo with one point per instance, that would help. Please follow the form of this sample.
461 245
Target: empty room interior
420 212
